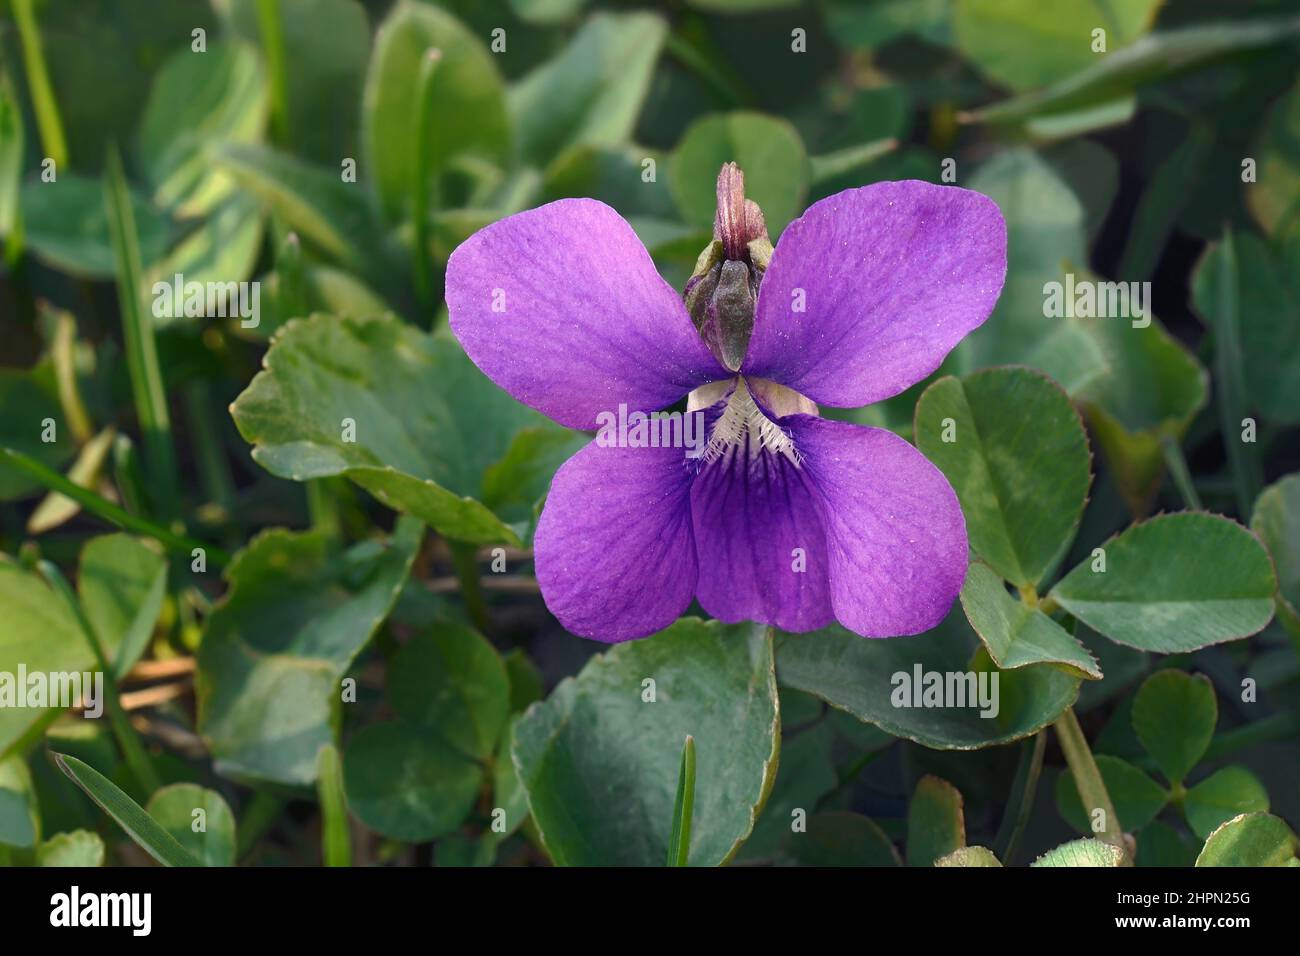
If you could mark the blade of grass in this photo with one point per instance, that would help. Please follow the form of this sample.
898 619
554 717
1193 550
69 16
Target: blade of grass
137 758
1177 466
11 172
679 844
1021 802
103 508
141 348
44 105
336 845
128 814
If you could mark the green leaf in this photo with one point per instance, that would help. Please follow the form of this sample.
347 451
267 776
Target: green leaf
332 215
1017 634
1178 582
274 650
863 676
969 856
1220 797
712 681
936 821
1082 853
1046 238
67 226
842 839
1137 798
428 424
1015 451
679 841
1274 197
1174 716
1152 389
121 583
199 819
139 826
769 153
1118 75
1268 320
1250 839
507 793
1276 520
38 631
405 782
20 821
76 848
224 249
1162 845
591 93
198 100
806 774
470 117
1023 46
452 681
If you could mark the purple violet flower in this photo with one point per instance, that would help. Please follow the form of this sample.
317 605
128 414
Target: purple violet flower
785 518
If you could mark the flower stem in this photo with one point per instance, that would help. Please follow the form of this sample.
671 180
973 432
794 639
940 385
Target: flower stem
1023 791
464 558
336 843
1087 778
1177 466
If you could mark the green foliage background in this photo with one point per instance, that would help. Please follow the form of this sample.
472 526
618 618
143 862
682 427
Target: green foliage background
336 650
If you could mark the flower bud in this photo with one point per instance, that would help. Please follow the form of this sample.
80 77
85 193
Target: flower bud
721 293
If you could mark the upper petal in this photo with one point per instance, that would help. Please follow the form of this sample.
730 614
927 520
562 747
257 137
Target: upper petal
871 288
895 534
562 307
614 553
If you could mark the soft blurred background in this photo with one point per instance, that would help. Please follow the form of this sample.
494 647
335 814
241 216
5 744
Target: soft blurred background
312 146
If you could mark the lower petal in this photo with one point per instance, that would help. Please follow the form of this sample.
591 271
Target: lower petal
758 533
614 552
895 534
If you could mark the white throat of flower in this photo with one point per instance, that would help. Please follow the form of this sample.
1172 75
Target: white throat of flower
744 423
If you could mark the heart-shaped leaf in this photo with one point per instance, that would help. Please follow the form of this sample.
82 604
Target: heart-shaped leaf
1022 486
1221 796
1082 853
837 838
969 856
1276 520
1251 839
74 848
452 681
1174 716
276 647
1178 582
67 226
199 819
404 414
712 681
1017 634
768 150
926 688
407 782
936 822
1137 798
